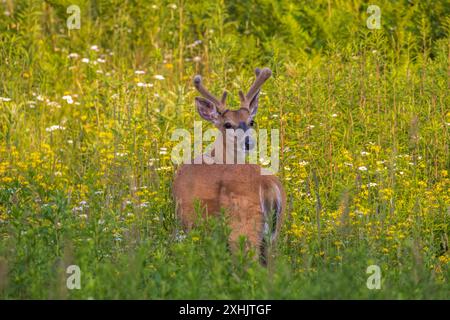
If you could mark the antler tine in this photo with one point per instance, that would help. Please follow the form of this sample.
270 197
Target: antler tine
223 101
261 77
204 92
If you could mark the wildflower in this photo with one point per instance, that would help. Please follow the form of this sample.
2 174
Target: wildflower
75 209
139 72
100 60
311 126
194 44
5 99
121 154
365 153
143 205
334 115
159 77
372 184
144 85
197 59
83 203
94 48
53 104
73 55
85 60
444 259
348 164
68 99
172 6
362 168
303 163
166 168
54 127
180 236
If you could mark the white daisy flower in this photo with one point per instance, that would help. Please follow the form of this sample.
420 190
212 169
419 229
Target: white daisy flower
54 127
68 99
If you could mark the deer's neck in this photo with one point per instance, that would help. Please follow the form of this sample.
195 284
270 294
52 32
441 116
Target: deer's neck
220 154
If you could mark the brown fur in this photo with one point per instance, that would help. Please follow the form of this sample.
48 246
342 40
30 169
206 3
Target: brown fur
250 200
235 188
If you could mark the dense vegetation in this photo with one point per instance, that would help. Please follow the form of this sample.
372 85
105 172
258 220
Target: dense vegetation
86 118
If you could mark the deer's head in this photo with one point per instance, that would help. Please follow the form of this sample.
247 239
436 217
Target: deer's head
214 110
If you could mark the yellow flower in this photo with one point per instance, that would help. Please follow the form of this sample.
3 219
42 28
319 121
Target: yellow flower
422 184
7 179
444 259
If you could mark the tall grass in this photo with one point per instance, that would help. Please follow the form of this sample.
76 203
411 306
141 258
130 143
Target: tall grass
364 120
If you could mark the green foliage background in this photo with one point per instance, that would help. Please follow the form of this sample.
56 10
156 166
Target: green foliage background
364 117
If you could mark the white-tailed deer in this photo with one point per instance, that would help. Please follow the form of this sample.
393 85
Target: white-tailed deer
254 203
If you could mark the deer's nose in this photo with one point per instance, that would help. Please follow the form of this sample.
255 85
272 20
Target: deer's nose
242 125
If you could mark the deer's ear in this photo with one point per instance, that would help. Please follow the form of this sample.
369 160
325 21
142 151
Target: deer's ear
254 105
207 109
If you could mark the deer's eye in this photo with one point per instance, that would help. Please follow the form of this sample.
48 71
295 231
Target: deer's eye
228 125
252 123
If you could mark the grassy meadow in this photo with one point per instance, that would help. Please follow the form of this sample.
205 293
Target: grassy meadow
86 117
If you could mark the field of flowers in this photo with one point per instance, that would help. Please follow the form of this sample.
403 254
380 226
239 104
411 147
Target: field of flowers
86 117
